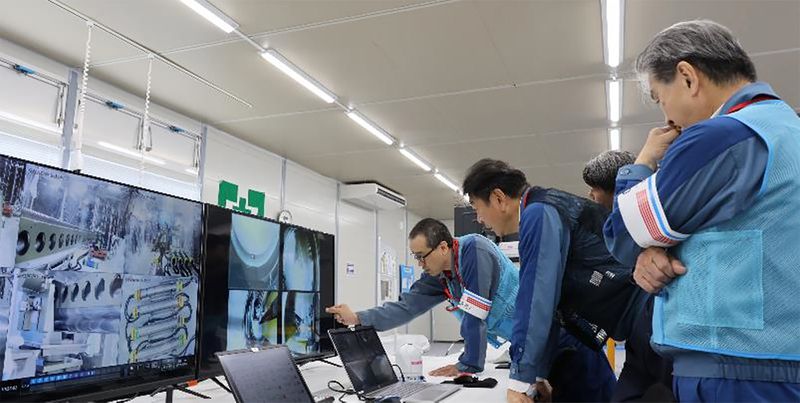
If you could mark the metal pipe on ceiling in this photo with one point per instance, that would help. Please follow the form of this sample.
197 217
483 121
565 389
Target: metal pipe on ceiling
147 50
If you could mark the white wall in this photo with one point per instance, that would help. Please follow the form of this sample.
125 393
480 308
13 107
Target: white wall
233 160
357 247
38 137
421 325
310 197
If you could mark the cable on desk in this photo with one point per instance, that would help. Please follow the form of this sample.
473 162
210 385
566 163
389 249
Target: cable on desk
344 391
402 376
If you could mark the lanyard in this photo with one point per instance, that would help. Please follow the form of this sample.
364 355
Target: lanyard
450 298
738 107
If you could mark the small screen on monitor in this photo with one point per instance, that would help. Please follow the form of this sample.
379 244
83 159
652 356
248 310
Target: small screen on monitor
266 283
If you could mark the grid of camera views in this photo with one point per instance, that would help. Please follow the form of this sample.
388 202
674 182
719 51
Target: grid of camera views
92 274
273 295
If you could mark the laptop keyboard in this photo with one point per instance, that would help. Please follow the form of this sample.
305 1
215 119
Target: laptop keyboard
404 389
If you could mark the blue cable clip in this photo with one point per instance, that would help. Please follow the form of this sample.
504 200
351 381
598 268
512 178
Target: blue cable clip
115 106
24 70
175 129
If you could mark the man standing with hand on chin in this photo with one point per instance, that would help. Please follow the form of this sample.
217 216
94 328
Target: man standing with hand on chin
709 213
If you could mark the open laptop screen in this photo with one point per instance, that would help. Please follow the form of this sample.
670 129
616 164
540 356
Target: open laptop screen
364 359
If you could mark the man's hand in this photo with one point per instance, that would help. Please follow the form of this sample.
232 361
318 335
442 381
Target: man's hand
447 370
343 314
513 396
544 393
655 268
656 145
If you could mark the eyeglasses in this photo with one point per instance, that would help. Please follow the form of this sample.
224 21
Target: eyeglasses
421 258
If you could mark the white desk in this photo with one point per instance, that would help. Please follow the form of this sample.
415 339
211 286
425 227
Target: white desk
318 374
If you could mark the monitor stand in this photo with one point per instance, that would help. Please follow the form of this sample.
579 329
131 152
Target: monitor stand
221 385
317 358
170 390
330 363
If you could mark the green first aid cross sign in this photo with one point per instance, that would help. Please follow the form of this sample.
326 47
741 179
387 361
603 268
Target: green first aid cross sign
254 203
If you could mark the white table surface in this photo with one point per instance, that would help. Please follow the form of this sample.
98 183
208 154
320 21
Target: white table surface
318 374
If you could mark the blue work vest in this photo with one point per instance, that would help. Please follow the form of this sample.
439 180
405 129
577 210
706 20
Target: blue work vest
739 294
500 321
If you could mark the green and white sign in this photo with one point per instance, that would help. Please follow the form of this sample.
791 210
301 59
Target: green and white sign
254 203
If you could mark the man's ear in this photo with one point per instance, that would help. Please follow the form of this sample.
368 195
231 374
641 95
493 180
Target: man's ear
500 196
689 76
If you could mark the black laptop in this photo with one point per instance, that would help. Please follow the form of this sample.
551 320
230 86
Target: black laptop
268 375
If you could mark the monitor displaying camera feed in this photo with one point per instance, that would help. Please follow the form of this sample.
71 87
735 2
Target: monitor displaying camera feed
98 283
266 283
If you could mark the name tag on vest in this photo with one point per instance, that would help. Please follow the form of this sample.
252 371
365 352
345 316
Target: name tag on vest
475 305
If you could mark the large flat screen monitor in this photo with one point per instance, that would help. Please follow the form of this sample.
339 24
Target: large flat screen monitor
98 285
266 283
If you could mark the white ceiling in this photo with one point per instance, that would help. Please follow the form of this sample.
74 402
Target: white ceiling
521 81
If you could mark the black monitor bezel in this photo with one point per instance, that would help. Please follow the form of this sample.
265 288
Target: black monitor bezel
210 370
108 390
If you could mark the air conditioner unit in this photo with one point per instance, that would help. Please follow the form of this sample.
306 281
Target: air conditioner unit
372 195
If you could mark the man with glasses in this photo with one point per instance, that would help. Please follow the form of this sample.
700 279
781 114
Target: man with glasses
481 285
471 273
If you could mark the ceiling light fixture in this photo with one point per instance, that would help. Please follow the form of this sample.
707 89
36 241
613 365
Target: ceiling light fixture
614 91
614 138
283 64
612 17
212 14
415 159
446 181
370 127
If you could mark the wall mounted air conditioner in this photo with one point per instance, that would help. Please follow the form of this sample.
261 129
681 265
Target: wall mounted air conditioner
372 195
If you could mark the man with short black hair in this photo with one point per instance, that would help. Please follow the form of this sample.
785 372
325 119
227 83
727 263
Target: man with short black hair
712 201
567 278
600 173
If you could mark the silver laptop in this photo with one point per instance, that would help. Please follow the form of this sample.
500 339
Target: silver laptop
371 373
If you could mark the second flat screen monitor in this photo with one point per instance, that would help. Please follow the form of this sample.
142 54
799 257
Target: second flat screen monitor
266 284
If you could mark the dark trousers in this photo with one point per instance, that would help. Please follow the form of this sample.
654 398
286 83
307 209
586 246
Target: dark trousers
580 374
646 376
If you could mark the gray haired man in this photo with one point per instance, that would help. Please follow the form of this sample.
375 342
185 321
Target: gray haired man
709 213
601 172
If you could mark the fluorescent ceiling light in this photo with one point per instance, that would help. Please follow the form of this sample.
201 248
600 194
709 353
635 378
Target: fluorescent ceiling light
49 129
614 138
212 14
613 20
284 65
130 153
415 159
446 181
371 127
614 100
